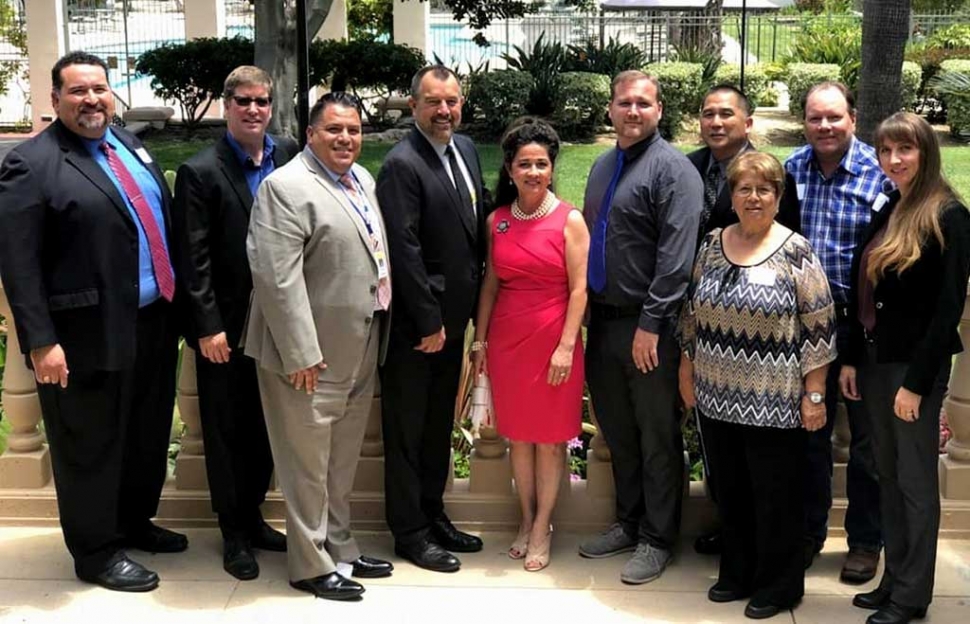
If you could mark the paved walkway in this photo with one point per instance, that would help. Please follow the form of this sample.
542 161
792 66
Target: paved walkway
37 584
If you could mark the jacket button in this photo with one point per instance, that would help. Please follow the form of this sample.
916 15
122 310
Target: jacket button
367 321
879 305
373 288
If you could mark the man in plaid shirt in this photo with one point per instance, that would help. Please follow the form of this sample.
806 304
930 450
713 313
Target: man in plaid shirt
839 185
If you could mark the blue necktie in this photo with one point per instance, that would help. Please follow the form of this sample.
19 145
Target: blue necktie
596 272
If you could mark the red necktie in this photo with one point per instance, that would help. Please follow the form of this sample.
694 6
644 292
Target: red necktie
160 261
383 284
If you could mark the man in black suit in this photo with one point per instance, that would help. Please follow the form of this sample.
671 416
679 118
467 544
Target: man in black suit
85 235
430 191
725 123
213 197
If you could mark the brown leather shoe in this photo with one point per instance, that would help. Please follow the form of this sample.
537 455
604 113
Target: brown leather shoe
860 566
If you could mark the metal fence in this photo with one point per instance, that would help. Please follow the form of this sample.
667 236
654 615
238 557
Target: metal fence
657 34
14 89
240 18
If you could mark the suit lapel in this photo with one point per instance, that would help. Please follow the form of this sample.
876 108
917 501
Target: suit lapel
232 170
80 159
437 167
131 143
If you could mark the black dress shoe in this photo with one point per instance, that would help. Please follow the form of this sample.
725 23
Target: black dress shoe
896 614
709 544
369 567
266 537
761 611
124 575
428 555
238 559
153 538
876 599
330 586
723 593
444 533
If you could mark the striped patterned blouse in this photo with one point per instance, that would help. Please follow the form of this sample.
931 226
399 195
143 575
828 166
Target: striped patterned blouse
755 331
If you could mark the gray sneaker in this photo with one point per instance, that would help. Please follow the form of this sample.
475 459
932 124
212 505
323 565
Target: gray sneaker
612 541
646 564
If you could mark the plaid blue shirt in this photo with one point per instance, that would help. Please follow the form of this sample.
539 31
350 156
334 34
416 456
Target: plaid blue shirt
836 211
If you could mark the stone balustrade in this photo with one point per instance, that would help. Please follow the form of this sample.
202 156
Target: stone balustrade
485 500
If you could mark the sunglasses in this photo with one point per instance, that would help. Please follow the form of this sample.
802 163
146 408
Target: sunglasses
261 102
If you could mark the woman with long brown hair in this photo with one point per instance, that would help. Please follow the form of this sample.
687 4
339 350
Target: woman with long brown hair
909 281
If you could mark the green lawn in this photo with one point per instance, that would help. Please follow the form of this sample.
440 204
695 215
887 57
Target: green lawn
571 169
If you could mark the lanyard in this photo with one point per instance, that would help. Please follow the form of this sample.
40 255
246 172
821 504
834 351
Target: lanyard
362 211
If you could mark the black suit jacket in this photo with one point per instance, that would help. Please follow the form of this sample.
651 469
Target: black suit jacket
436 245
722 215
69 250
917 311
211 213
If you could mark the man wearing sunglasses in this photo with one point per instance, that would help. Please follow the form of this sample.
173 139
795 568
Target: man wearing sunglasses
213 196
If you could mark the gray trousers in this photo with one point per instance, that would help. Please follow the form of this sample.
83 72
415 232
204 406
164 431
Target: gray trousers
316 442
907 459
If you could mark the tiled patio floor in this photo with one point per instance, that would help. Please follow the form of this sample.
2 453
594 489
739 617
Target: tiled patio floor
37 584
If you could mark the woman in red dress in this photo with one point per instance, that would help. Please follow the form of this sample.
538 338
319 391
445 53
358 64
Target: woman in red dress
528 327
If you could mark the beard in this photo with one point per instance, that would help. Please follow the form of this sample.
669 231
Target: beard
93 120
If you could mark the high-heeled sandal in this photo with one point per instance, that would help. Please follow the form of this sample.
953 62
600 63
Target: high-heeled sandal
520 546
537 556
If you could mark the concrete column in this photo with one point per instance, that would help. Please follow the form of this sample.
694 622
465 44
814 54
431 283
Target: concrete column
46 42
190 465
205 18
335 26
26 463
489 470
955 465
412 21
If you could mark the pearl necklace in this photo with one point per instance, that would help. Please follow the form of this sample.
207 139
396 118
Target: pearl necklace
548 203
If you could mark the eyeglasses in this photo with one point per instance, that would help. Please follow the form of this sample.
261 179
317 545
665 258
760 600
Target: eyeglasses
760 191
261 102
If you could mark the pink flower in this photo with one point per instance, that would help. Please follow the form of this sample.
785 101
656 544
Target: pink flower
574 444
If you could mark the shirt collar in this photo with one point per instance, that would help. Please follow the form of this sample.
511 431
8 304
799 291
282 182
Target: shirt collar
637 149
712 162
851 161
269 146
330 172
438 148
94 145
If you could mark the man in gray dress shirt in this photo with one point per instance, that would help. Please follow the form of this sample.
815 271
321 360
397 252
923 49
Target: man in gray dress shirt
643 205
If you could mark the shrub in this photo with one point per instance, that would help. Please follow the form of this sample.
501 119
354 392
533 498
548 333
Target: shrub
755 81
911 79
681 85
545 63
952 36
580 104
801 78
608 60
929 60
837 43
379 68
193 73
953 85
501 96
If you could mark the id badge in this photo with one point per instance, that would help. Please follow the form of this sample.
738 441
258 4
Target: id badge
762 276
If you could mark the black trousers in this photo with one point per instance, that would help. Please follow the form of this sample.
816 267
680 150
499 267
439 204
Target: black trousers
638 416
108 433
760 472
907 458
238 460
418 393
863 526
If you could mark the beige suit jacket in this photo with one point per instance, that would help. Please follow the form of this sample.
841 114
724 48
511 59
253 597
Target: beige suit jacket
314 276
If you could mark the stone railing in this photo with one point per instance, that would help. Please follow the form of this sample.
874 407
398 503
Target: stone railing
485 500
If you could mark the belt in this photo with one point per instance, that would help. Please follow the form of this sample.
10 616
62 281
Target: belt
603 312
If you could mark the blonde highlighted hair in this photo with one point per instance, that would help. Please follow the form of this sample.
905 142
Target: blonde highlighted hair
917 215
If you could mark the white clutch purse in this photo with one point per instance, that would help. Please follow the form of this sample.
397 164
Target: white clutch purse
482 412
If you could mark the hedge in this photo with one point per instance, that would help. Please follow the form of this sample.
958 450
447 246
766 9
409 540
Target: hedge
581 104
500 96
802 77
957 107
909 92
681 85
755 81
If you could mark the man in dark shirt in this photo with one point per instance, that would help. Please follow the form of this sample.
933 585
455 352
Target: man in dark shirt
643 205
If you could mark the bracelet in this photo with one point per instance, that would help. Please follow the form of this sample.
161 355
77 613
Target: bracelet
479 345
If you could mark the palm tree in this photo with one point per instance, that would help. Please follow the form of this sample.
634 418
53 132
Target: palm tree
885 29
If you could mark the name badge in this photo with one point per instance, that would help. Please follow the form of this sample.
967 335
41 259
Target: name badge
800 190
880 201
381 259
762 276
142 154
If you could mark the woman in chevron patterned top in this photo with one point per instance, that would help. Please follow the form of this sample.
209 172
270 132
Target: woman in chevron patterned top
758 333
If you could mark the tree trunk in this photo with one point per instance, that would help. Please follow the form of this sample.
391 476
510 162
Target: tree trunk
885 29
276 52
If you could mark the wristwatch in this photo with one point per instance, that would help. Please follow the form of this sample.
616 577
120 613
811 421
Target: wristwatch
816 398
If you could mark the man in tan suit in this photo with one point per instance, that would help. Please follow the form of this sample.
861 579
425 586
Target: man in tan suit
317 329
